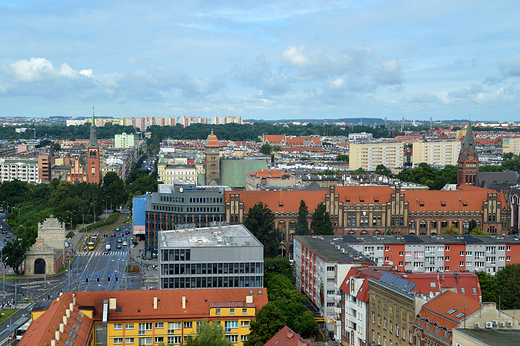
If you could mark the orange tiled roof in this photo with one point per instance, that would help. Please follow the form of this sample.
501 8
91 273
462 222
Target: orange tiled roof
301 140
280 201
274 139
364 194
460 281
266 173
303 149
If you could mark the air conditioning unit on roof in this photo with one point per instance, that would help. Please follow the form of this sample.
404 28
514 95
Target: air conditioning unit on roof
489 325
477 325
502 324
509 323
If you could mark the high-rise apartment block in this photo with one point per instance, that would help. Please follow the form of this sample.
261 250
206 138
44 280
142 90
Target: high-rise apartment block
369 155
436 153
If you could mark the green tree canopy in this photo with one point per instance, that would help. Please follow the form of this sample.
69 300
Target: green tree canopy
278 265
269 320
260 221
302 226
508 283
266 149
450 230
343 158
488 286
321 224
359 171
209 335
382 170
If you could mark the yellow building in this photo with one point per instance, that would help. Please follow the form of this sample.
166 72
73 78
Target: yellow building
439 153
145 318
170 174
369 155
511 145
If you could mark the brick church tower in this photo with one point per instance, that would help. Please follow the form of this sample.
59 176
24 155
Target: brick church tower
93 170
212 158
468 160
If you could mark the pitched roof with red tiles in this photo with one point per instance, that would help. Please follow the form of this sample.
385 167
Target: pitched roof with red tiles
266 173
280 201
274 139
445 312
363 272
287 337
303 149
465 199
432 282
364 194
43 329
303 141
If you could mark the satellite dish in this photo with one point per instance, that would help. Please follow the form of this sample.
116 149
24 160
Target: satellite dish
181 190
431 295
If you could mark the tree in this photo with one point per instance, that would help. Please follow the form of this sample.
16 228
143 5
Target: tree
508 156
343 158
450 230
478 231
321 224
508 283
13 254
359 171
488 286
382 170
278 265
260 221
269 320
209 335
472 225
302 227
277 148
143 185
266 149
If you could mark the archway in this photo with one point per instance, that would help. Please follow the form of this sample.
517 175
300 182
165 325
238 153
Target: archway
39 266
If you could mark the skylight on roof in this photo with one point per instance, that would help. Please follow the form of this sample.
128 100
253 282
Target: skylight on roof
451 311
459 315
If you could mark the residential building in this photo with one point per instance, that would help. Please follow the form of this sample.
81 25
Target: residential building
320 265
143 317
436 153
484 337
177 174
21 169
511 145
210 257
440 317
359 136
369 155
269 178
219 120
125 140
179 206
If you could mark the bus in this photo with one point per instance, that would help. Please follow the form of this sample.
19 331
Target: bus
92 241
21 331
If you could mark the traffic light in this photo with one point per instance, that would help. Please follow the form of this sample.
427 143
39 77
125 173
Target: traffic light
86 278
97 279
108 276
117 277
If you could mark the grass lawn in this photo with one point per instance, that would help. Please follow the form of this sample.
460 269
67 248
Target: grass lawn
5 314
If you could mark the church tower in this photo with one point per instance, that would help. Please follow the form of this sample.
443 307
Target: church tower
93 170
212 165
468 160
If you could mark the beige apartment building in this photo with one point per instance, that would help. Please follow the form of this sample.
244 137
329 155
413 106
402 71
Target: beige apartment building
369 155
438 153
511 145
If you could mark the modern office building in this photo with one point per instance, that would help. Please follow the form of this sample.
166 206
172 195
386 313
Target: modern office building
180 206
150 317
369 155
210 257
436 153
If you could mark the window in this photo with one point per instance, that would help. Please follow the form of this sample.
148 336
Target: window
231 311
397 329
468 253
174 340
129 340
373 317
244 311
230 325
188 324
378 320
509 248
159 339
172 326
73 335
384 326
509 258
244 324
401 253
243 338
199 325
447 258
447 269
447 248
159 325
118 341
474 290
462 253
232 338
69 343
217 311
129 326
145 341
75 327
462 290
118 326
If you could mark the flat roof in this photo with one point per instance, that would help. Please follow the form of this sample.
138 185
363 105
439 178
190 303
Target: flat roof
429 239
495 337
230 235
332 248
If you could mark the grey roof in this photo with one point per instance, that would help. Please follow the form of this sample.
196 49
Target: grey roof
332 249
421 239
498 179
231 235
469 142
314 186
493 337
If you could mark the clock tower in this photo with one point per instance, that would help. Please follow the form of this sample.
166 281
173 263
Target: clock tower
468 160
93 164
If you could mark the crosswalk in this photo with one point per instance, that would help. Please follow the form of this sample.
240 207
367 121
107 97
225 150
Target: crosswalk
100 253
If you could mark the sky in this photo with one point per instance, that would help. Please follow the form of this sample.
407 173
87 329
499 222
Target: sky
292 59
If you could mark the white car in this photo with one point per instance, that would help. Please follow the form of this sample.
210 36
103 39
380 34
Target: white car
125 243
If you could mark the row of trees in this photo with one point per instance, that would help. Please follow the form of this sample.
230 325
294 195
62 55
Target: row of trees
432 177
502 288
260 221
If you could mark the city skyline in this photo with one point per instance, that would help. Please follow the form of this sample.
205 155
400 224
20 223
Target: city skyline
269 60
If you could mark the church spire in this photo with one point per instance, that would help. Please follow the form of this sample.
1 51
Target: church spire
469 141
93 144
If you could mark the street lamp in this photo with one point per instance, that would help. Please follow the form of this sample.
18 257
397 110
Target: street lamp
110 202
71 212
94 215
106 206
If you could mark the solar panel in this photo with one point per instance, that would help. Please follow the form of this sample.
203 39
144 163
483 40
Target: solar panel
410 238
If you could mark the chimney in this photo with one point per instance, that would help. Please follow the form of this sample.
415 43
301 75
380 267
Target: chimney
53 342
184 302
302 342
67 313
65 319
62 325
71 307
290 334
155 303
57 335
74 298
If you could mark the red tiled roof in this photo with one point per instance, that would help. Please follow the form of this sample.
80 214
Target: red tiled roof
303 149
280 201
287 337
301 140
364 194
274 139
231 305
436 312
266 173
442 281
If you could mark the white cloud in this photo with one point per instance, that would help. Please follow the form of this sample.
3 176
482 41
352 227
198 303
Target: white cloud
510 66
390 72
34 69
87 73
296 56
